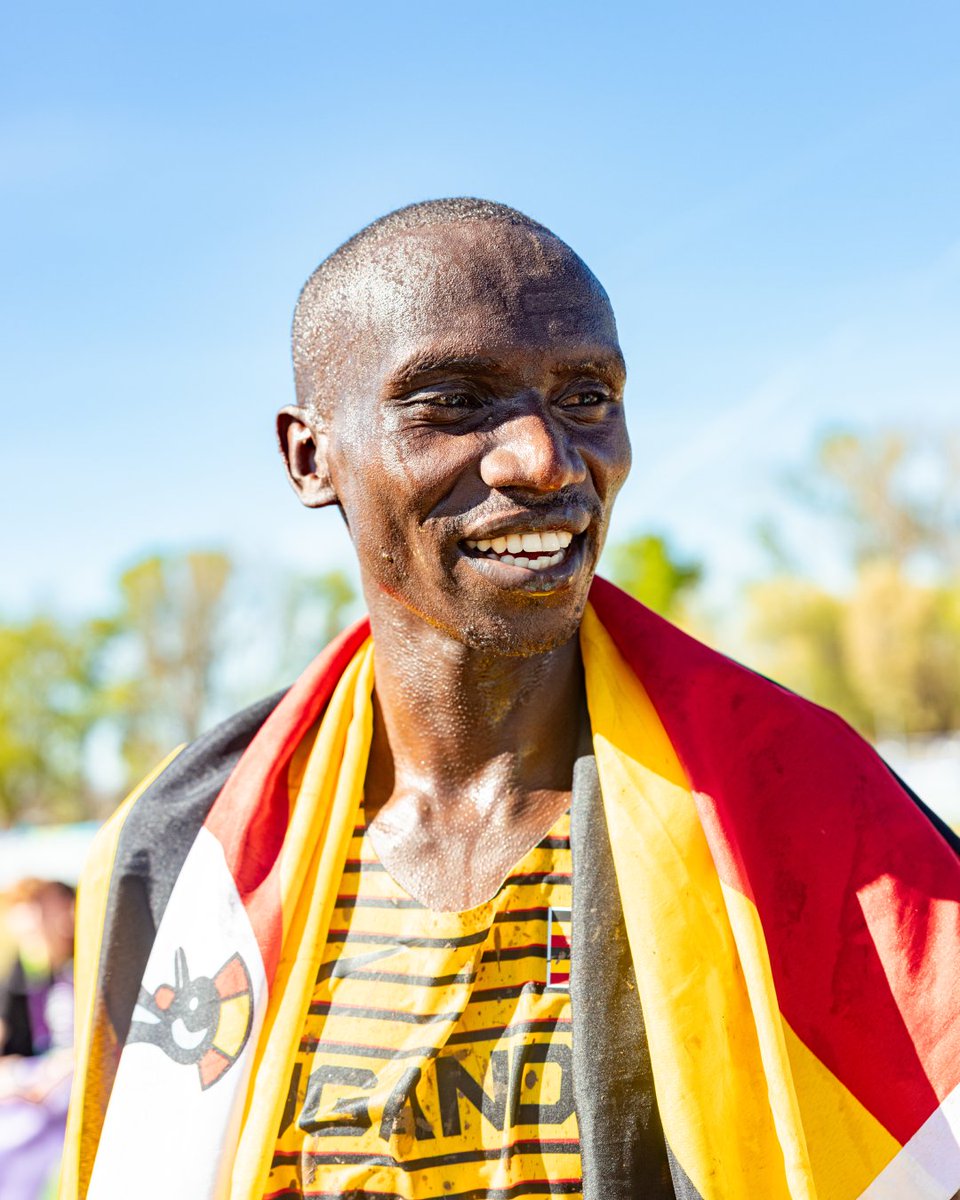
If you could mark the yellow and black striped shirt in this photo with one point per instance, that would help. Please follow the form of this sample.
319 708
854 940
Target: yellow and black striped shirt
436 1058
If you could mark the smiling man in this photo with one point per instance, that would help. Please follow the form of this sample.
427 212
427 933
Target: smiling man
518 891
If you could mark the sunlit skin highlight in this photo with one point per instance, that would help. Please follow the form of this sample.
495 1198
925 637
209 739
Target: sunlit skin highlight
479 397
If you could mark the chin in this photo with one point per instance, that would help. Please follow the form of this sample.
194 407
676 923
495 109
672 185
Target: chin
520 633
503 624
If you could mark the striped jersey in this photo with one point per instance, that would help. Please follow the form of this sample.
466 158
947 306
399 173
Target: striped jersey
435 1059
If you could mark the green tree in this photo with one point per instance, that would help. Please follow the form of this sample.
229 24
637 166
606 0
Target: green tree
49 704
890 496
151 675
902 651
168 634
885 655
796 634
644 566
885 650
315 610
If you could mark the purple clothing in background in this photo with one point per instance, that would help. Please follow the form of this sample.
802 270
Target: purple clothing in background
31 1141
32 1131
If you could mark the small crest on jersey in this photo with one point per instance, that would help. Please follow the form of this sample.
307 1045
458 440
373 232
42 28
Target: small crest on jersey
558 949
205 1020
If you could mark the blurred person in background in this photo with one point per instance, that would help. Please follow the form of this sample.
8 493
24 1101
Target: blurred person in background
36 1013
36 1036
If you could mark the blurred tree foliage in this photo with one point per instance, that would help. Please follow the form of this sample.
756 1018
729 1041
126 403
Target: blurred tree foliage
146 677
315 609
885 652
167 637
50 701
644 566
893 496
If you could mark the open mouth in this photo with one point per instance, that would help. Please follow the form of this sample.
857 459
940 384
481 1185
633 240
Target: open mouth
537 551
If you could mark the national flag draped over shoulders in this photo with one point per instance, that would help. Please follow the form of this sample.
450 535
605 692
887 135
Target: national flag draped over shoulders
809 1011
792 911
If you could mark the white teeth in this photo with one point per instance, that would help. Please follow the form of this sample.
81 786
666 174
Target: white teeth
507 548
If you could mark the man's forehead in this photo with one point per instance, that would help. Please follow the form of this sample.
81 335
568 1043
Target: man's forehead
437 263
480 289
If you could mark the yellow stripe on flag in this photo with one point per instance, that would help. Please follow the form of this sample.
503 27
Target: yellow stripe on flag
844 1145
314 849
848 1146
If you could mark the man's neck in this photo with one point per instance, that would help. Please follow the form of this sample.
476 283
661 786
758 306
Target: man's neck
472 757
453 722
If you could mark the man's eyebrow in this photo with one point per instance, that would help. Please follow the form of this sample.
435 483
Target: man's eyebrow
610 368
420 365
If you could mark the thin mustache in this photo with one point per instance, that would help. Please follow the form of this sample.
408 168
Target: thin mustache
565 503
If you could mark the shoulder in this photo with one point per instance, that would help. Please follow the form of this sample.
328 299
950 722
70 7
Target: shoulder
745 740
138 855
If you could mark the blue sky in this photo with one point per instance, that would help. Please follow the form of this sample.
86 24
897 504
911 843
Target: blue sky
771 196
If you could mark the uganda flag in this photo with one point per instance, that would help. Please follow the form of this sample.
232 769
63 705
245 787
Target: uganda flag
793 915
762 948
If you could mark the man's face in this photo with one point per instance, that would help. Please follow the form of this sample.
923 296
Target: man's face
478 440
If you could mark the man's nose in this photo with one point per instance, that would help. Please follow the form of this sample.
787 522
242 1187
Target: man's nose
528 451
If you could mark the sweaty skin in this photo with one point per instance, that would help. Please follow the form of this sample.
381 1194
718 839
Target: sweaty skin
479 395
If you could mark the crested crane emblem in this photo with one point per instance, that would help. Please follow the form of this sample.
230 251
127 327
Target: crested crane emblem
204 1020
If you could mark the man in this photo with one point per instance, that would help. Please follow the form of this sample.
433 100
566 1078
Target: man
518 891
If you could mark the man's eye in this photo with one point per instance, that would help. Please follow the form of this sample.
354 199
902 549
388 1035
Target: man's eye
452 400
428 400
586 399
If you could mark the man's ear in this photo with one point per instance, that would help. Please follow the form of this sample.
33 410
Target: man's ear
303 448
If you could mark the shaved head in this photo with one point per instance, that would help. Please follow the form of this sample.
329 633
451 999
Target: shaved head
353 290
